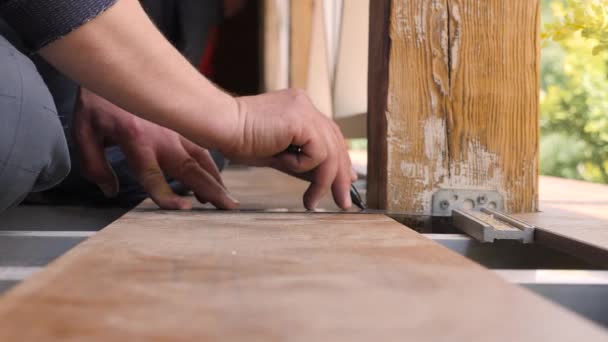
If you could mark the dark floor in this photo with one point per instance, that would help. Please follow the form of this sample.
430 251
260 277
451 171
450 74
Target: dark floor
31 236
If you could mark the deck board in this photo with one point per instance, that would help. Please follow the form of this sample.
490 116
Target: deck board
577 211
200 275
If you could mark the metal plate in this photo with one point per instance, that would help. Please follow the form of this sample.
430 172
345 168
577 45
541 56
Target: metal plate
446 200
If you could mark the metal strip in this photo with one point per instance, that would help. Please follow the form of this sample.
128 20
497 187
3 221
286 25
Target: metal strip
11 273
566 277
49 234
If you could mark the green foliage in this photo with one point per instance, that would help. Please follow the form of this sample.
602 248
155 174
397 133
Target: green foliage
574 95
587 17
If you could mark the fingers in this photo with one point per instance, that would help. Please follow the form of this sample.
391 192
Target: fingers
204 159
335 172
94 164
344 179
322 180
184 167
144 164
311 157
325 162
274 121
325 174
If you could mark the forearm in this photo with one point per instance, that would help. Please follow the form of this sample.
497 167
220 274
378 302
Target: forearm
122 56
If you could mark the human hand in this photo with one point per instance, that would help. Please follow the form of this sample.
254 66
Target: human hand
269 123
151 151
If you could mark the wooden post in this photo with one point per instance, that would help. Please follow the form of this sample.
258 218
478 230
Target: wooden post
453 101
275 42
300 41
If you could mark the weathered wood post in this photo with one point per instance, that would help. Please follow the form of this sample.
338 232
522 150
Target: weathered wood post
453 102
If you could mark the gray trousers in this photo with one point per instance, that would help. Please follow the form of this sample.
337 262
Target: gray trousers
33 150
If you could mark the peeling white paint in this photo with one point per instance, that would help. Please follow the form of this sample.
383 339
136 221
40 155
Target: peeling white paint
439 83
455 50
445 38
402 22
421 24
434 137
480 164
433 101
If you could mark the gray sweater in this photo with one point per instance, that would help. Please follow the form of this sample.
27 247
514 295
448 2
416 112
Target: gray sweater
40 22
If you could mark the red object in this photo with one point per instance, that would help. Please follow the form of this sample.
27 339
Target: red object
206 65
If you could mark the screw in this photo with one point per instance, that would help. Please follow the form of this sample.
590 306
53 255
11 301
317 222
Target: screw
482 199
445 204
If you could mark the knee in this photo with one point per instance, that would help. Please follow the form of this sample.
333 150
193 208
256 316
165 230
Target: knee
54 159
40 135
33 148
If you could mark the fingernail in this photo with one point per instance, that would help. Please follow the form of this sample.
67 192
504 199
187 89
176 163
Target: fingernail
232 198
184 204
313 205
348 201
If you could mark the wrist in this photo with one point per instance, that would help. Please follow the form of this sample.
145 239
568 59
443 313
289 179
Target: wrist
234 128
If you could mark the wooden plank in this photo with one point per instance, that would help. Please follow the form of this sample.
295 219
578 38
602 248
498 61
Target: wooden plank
275 42
157 275
453 101
300 42
261 188
377 92
578 213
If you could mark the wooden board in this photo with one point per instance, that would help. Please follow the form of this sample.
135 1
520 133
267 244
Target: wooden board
156 275
453 101
575 211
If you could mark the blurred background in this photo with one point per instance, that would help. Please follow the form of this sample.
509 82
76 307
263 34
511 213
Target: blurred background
574 90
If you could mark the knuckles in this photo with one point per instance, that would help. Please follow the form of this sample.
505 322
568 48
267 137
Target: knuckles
151 174
131 128
186 167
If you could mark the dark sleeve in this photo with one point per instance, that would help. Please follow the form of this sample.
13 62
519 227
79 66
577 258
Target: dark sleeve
40 22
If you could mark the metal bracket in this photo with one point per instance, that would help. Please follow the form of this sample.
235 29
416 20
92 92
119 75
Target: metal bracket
488 225
446 200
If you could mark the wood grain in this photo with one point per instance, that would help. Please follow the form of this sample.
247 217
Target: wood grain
453 101
493 122
191 276
377 92
578 213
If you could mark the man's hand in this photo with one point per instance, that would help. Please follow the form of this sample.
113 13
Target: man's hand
151 151
137 69
269 123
